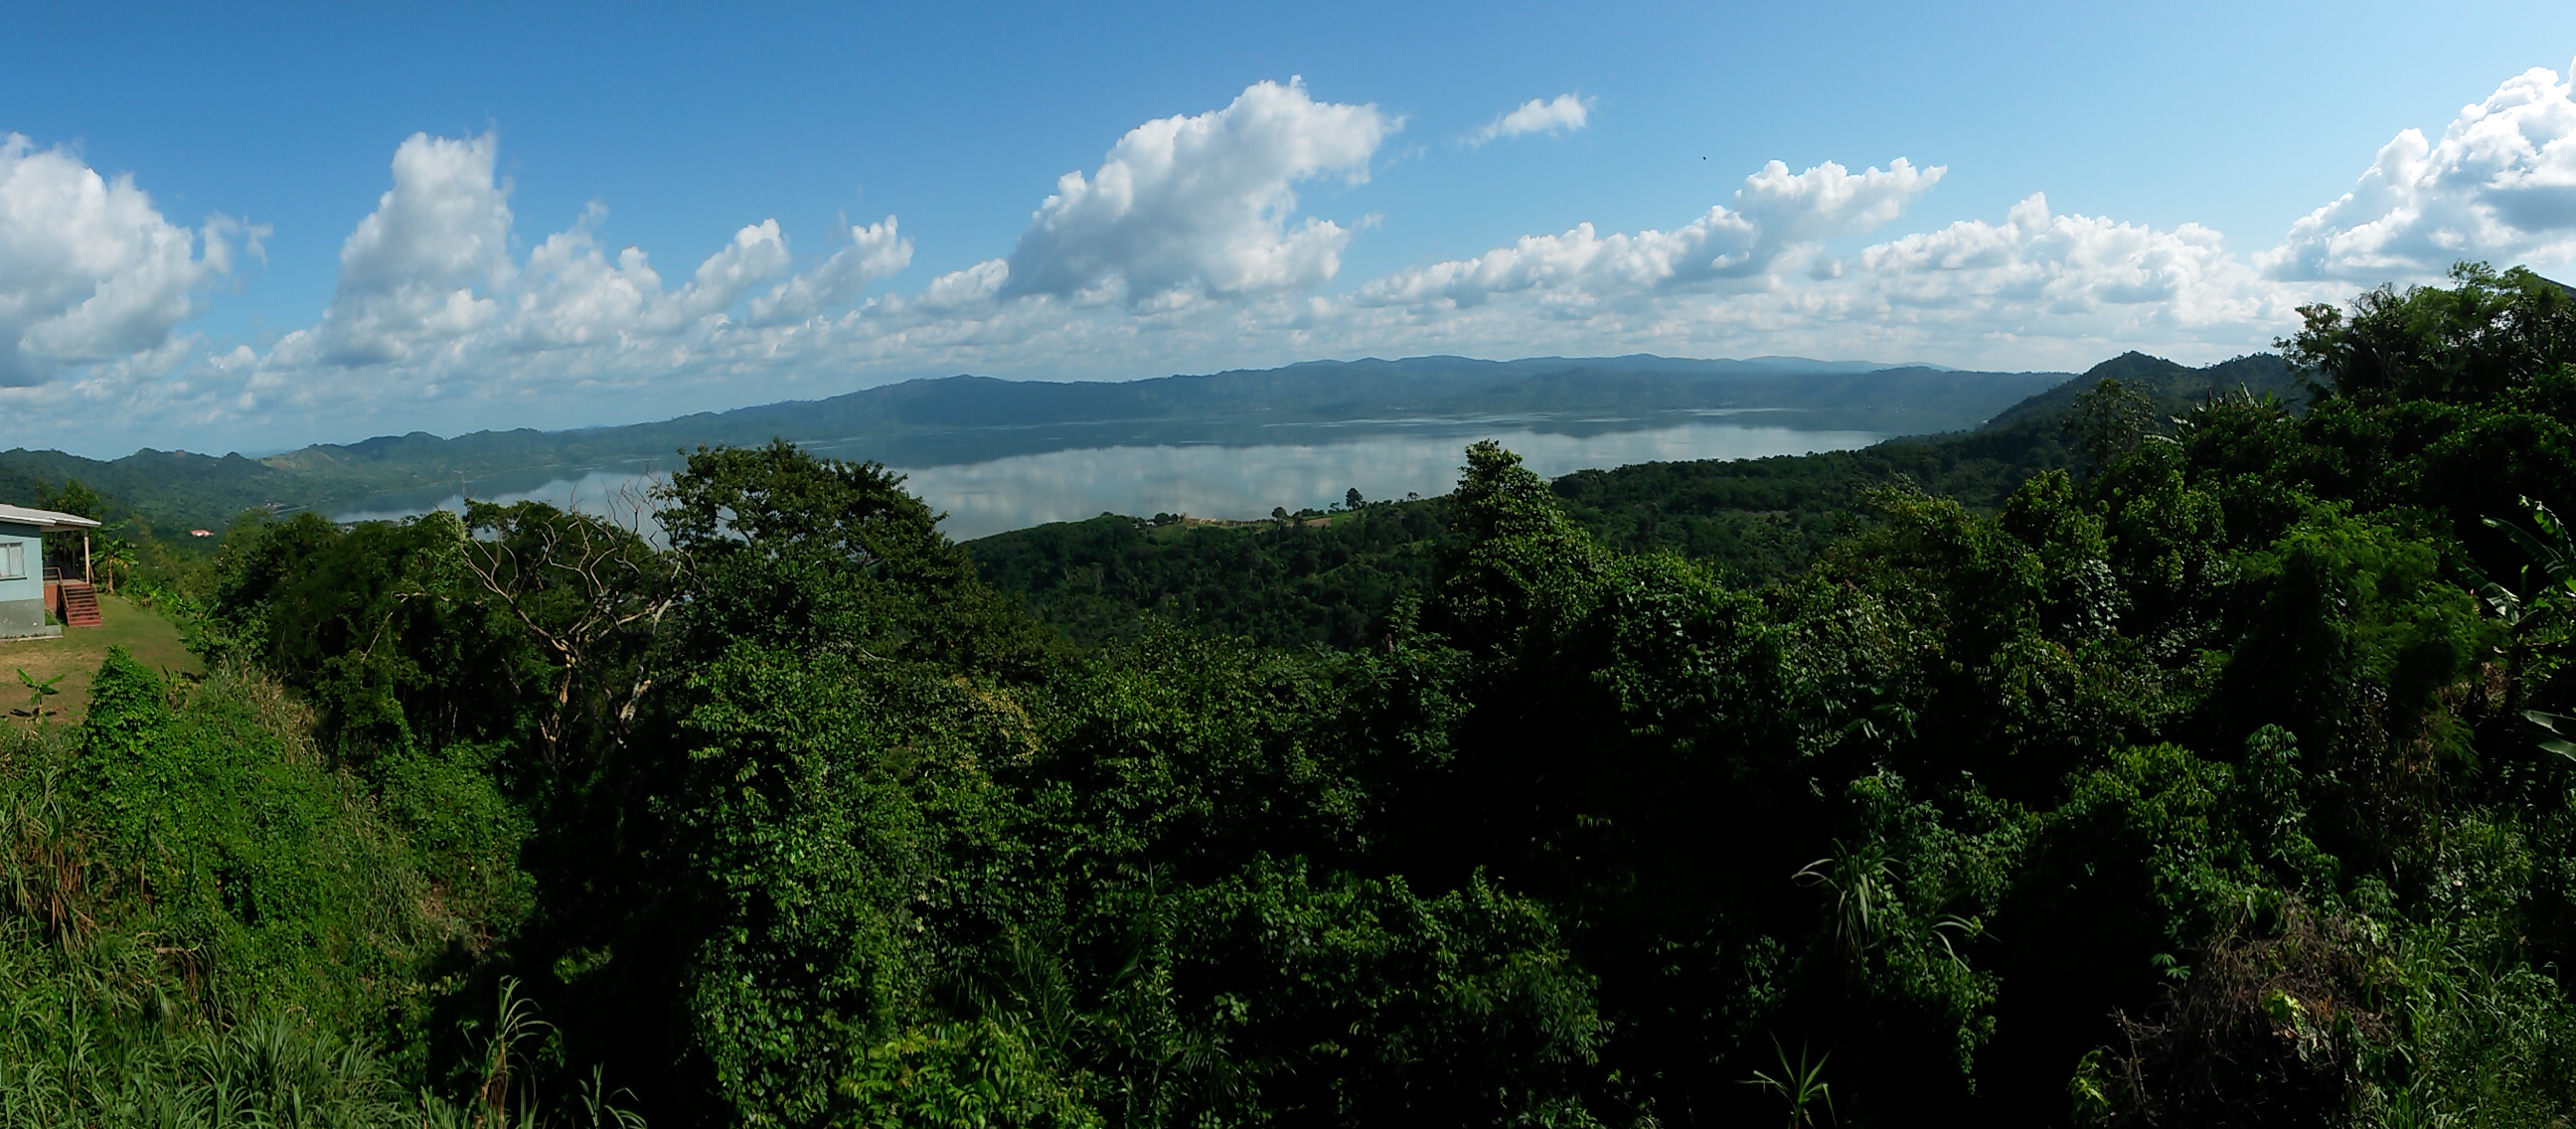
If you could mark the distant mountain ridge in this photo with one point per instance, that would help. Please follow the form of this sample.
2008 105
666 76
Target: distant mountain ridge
172 490
1314 391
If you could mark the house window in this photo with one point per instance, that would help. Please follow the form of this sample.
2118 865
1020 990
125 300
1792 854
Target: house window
13 561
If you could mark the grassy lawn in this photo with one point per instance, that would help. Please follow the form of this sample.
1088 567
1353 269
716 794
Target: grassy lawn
152 640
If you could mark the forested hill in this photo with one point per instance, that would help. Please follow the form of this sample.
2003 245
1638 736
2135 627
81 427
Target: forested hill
2170 389
169 492
940 418
1332 577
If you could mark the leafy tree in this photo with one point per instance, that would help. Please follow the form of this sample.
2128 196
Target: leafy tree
72 498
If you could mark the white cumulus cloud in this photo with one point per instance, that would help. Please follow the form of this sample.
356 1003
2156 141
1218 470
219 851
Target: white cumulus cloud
2037 288
1200 205
422 268
2041 274
1565 113
757 254
2500 185
90 271
433 304
570 294
1776 215
875 252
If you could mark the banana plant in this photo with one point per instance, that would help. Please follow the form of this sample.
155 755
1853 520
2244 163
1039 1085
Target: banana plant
2552 554
2552 557
2553 722
37 692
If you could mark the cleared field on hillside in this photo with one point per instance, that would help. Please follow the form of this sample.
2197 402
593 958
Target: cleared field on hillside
152 640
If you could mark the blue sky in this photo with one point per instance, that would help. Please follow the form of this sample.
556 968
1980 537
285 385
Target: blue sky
186 197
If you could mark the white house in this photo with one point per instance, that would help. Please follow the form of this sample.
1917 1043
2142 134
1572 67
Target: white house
25 589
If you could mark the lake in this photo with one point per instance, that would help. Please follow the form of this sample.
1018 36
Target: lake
1201 472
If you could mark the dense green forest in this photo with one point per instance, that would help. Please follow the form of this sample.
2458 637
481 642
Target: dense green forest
2157 757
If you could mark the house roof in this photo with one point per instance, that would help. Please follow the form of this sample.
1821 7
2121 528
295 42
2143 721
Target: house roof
48 521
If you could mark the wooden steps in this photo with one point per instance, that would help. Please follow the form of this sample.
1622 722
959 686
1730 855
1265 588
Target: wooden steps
80 604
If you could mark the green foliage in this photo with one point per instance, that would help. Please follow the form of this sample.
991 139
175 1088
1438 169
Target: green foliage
2469 343
366 623
57 1068
203 924
85 1041
37 692
2110 422
277 881
935 875
72 498
1283 584
1800 1086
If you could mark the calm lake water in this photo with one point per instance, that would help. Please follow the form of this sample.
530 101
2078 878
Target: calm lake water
1305 467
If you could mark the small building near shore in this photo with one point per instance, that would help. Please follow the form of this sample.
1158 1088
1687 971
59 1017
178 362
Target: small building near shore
24 589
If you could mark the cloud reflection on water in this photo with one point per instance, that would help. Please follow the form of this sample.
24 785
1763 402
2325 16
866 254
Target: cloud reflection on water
1210 480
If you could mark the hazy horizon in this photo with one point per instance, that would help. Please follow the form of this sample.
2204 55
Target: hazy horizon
1819 365
259 232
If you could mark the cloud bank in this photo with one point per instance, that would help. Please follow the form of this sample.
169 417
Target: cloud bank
1776 216
1188 247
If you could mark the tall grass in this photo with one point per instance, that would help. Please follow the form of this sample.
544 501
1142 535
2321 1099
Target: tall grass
124 1003
84 1041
